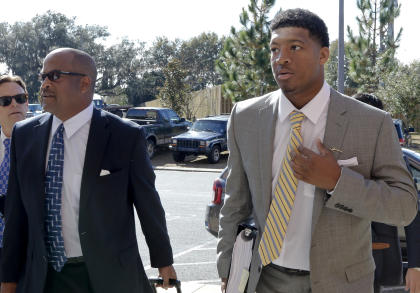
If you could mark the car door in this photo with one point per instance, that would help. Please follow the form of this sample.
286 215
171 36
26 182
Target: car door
178 125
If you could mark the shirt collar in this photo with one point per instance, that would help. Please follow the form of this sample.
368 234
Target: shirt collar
73 124
312 110
3 136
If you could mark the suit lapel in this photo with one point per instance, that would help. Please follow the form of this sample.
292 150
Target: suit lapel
95 149
335 131
268 117
39 148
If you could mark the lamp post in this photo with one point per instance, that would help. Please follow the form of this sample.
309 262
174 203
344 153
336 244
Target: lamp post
340 83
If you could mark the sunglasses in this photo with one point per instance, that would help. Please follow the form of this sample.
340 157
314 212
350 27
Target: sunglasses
54 75
7 100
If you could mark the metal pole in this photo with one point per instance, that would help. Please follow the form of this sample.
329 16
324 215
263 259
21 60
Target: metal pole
340 83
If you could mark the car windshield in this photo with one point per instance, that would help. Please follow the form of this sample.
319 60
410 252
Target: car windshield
34 107
209 125
143 114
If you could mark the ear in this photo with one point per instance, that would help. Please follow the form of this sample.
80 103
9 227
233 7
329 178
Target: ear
324 53
85 83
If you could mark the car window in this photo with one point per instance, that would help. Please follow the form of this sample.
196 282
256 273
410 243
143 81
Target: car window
172 115
210 125
144 114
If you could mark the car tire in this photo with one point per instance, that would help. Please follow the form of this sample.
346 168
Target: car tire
178 156
214 155
150 148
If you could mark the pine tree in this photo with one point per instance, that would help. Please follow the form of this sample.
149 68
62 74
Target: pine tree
371 53
244 62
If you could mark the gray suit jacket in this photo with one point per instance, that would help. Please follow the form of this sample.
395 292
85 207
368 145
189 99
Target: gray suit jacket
378 189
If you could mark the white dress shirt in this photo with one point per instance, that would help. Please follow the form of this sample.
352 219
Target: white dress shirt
296 245
2 138
76 131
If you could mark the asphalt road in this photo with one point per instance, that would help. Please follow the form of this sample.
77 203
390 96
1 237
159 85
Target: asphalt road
184 196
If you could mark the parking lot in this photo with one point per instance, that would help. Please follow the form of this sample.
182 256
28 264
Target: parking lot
184 196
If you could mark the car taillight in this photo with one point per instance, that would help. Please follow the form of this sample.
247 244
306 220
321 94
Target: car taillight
401 141
218 190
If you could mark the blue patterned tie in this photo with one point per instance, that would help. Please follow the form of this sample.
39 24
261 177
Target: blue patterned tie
53 184
4 178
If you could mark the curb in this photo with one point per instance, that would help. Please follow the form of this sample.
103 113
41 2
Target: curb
187 169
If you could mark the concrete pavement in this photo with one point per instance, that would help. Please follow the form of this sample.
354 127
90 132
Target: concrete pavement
193 287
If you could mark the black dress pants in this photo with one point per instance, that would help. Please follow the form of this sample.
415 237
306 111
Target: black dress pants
73 278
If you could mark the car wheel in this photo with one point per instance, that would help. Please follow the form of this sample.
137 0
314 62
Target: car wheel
151 148
178 156
214 155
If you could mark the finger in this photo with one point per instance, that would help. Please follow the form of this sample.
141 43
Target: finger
293 155
300 159
165 283
322 149
307 152
298 171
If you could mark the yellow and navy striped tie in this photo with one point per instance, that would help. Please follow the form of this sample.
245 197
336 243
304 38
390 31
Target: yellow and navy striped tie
283 199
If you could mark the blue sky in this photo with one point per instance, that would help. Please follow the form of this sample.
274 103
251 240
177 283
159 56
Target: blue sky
145 20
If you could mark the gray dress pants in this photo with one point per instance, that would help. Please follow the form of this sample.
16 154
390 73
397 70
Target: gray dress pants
274 281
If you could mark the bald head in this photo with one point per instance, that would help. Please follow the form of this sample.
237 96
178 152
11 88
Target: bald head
80 62
70 82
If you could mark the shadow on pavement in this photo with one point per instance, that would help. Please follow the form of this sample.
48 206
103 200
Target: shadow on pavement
163 158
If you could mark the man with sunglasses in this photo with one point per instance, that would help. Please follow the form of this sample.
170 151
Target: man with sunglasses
13 108
72 188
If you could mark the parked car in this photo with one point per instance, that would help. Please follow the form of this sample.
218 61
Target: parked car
207 136
403 132
159 124
211 219
412 159
34 110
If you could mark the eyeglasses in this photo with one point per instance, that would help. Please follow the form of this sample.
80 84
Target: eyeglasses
7 100
54 75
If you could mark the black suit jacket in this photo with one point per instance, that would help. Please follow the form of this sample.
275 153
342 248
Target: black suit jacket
106 216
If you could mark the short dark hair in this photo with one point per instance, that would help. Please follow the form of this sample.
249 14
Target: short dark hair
305 19
369 99
14 78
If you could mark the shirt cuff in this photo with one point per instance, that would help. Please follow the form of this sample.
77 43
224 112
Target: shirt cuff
331 192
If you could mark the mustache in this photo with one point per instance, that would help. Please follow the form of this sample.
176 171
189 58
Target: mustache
45 92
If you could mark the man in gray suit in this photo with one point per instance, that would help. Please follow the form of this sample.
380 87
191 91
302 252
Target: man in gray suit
315 163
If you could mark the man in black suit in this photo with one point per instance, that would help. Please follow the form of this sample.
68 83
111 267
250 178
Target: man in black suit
388 259
75 176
